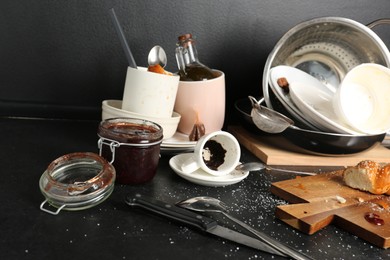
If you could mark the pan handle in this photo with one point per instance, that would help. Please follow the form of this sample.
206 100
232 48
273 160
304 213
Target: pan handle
378 22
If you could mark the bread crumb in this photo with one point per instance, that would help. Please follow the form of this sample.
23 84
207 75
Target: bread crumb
360 199
340 199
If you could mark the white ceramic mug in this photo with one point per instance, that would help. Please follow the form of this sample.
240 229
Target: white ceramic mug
217 153
148 93
203 100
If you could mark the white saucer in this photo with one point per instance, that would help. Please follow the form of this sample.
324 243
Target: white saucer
178 140
201 177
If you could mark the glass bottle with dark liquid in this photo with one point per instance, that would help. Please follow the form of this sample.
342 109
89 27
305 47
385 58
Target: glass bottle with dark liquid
190 68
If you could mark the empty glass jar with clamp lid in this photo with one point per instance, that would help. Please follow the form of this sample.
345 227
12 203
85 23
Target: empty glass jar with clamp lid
76 181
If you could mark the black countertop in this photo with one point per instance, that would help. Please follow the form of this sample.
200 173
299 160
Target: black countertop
112 230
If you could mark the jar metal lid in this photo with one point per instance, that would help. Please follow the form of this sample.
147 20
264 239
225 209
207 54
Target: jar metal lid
76 181
131 130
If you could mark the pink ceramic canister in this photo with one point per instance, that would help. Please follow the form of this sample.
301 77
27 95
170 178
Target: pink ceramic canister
202 101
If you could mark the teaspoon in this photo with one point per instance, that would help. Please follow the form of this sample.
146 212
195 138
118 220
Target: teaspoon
157 56
256 166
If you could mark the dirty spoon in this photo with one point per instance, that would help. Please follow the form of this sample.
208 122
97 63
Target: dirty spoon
256 166
210 204
268 120
157 56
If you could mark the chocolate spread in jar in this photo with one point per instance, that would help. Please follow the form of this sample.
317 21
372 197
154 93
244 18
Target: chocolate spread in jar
137 152
213 154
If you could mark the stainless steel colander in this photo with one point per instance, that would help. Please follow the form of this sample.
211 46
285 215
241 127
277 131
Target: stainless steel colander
327 48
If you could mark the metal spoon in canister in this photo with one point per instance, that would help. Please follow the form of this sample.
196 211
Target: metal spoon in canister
157 56
122 38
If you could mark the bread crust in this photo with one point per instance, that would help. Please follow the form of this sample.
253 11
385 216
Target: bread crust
368 176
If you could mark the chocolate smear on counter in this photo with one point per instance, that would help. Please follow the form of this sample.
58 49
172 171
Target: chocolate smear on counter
198 130
213 154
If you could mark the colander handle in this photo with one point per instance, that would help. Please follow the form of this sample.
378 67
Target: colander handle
378 22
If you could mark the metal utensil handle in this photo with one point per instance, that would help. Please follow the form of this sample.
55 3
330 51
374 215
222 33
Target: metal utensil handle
378 22
171 211
122 39
269 240
254 101
291 171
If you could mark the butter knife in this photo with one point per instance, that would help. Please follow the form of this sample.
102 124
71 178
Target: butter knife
196 220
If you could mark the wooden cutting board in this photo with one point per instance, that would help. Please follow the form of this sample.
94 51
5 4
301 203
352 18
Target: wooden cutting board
316 205
276 150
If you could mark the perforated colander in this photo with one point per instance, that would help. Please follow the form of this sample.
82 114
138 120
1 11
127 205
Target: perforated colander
327 48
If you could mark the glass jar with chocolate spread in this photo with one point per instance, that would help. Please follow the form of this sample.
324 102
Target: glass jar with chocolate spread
132 146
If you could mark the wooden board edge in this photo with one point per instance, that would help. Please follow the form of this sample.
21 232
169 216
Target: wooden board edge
362 233
308 225
283 194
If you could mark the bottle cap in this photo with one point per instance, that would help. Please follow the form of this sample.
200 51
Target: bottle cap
184 37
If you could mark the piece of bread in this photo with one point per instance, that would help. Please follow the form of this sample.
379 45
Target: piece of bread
369 176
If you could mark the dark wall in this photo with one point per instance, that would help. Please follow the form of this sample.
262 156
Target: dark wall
61 58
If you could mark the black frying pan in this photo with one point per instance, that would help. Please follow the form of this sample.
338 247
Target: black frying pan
314 141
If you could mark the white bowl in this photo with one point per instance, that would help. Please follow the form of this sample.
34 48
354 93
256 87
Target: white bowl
113 108
363 98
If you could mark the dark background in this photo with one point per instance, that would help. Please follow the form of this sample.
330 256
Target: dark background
60 59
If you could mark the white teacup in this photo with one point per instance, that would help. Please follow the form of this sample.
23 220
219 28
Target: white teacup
203 100
217 153
148 93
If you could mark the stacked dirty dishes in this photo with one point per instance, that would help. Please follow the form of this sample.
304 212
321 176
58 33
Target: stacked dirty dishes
359 106
338 83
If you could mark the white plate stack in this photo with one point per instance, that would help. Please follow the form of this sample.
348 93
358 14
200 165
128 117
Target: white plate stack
359 106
